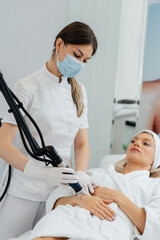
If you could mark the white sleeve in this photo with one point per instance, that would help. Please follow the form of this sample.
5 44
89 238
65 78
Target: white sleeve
92 171
84 117
152 224
59 192
22 93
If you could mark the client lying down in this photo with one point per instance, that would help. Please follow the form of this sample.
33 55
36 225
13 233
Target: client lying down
125 203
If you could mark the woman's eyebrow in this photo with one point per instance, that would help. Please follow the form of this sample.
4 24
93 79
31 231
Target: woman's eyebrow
82 53
135 138
146 139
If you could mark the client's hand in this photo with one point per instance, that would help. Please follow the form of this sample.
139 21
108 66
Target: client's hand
105 193
97 206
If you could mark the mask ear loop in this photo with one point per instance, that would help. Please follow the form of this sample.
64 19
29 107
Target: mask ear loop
64 47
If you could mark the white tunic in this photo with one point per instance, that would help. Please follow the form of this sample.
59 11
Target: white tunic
51 106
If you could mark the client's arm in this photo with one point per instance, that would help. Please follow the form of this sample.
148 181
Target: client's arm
137 215
94 204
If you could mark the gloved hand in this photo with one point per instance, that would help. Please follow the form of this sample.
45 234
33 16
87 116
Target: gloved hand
85 182
52 175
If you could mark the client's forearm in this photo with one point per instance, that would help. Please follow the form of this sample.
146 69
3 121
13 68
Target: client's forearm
67 200
93 204
137 215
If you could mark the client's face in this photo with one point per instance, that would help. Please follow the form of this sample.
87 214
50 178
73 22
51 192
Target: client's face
141 151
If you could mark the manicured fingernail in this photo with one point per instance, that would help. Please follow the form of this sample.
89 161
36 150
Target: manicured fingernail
114 214
110 218
113 218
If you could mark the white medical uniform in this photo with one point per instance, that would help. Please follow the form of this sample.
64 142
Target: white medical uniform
51 105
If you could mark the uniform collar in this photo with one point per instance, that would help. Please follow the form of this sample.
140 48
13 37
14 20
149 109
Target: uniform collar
54 78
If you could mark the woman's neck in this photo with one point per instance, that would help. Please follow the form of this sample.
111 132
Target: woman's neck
52 67
133 167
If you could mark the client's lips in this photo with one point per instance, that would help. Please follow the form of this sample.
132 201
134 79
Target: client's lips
135 149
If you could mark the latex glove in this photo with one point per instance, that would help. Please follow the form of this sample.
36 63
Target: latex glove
52 175
85 182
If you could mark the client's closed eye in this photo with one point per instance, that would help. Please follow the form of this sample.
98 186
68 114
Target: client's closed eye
146 144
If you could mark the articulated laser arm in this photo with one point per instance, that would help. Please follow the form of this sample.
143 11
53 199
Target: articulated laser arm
35 150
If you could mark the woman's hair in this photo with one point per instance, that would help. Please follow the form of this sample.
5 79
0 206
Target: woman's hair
77 33
154 173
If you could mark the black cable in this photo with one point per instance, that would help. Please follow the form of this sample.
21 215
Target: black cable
48 161
20 104
24 130
8 182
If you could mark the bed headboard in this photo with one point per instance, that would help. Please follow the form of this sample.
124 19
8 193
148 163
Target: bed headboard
111 158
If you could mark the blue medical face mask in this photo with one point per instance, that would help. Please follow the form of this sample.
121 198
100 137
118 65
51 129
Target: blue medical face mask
70 66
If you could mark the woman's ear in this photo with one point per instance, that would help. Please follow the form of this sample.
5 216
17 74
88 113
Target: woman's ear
59 43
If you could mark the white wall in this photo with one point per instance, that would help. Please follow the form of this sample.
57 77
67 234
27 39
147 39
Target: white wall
131 49
28 29
99 75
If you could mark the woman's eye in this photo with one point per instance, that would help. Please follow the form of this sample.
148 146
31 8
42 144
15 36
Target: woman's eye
76 55
147 144
132 141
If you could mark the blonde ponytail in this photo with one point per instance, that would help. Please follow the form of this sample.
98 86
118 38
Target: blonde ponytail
155 173
77 95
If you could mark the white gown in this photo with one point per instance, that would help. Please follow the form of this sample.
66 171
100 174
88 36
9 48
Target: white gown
78 223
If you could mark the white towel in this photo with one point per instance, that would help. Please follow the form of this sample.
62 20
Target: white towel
156 162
